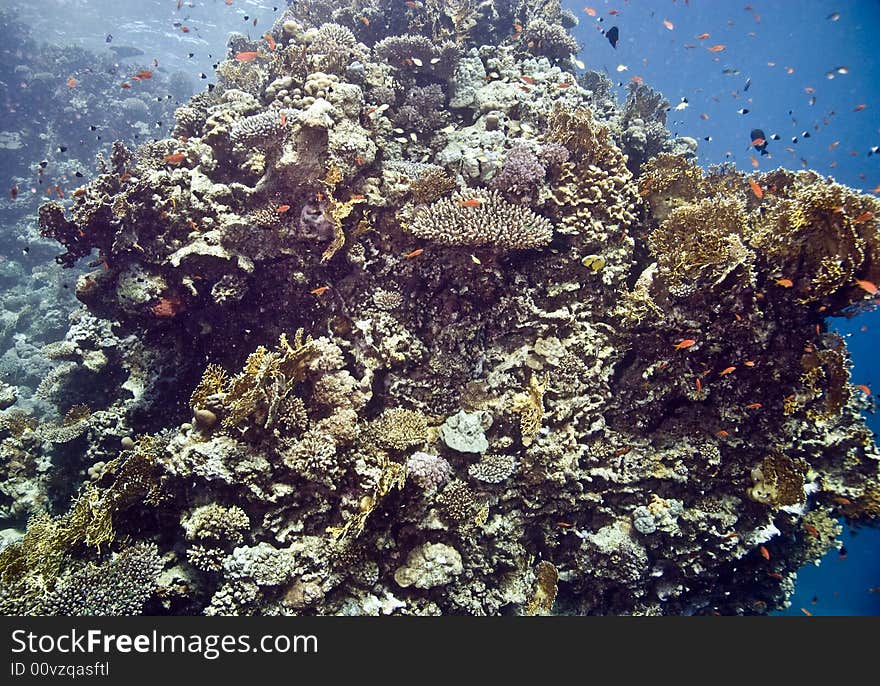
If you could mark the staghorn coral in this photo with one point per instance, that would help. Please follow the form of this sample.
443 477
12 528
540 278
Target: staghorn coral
478 217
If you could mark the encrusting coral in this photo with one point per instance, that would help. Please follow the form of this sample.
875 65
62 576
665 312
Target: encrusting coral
415 319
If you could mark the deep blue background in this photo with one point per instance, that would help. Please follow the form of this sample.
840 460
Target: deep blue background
784 47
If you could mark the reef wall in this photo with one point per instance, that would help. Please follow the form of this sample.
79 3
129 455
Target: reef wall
411 317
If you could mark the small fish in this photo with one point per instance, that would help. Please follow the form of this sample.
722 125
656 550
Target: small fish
764 552
175 158
726 371
283 119
703 36
471 202
364 21
270 41
806 612
683 105
834 16
248 56
749 363
590 11
698 384
564 84
748 85
686 343
13 193
125 84
742 111
756 189
668 24
143 74
622 67
565 525
864 389
414 253
319 290
281 209
71 82
184 29
529 80
722 433
109 38
859 107
717 48
869 287
613 35
754 406
775 575
812 530
862 218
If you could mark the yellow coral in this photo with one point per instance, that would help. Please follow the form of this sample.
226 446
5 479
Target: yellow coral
544 592
530 406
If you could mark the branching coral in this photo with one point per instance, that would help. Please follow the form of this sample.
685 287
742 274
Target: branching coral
479 217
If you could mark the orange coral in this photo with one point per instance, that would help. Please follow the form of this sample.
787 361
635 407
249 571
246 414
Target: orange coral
168 307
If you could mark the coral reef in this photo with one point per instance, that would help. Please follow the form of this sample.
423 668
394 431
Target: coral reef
409 318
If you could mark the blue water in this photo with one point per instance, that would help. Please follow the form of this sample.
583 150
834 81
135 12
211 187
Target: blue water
782 48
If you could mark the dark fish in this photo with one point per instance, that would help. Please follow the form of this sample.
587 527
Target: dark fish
874 150
759 140
78 175
613 35
774 136
742 111
834 16
62 148
708 139
748 84
123 52
730 71
109 38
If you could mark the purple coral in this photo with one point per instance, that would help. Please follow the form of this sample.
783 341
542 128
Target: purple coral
553 154
520 175
428 471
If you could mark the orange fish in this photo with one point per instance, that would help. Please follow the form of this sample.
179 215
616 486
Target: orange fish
785 283
758 142
698 384
726 371
175 158
143 74
249 56
227 2
125 85
59 191
749 363
319 290
613 13
867 286
834 145
703 36
590 11
840 500
721 433
809 90
365 21
414 253
71 82
668 24
812 530
764 552
756 189
686 343
863 217
271 41
564 84
754 406
529 80
13 192
775 575
471 202
717 48
281 209
806 612
185 29
859 108
863 388
755 165
563 524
